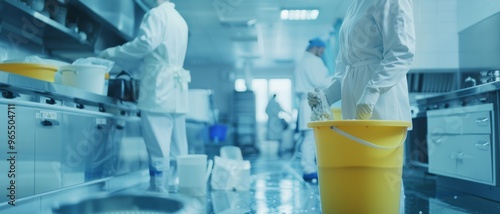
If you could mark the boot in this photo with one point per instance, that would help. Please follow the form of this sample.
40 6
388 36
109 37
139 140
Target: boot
157 183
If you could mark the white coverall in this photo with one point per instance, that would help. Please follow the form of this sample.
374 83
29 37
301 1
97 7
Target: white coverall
275 126
377 44
310 73
163 93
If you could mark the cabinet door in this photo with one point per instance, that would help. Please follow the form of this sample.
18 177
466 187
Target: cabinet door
470 120
477 122
447 123
77 147
466 157
475 158
441 155
103 150
17 160
48 151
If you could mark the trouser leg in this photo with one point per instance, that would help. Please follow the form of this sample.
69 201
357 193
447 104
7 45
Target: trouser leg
308 155
157 133
179 145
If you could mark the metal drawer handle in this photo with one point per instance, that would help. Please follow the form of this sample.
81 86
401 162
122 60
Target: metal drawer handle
461 156
458 156
49 123
482 120
437 141
483 145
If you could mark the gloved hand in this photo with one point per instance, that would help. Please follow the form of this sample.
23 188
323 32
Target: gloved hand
105 54
366 103
313 97
364 111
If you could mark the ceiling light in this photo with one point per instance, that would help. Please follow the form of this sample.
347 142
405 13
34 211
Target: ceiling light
299 14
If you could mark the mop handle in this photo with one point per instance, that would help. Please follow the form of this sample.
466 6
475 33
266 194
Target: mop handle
366 143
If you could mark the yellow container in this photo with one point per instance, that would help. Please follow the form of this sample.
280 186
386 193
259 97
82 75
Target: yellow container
37 71
360 165
337 113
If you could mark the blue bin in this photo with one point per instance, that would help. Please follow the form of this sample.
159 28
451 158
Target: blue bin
218 132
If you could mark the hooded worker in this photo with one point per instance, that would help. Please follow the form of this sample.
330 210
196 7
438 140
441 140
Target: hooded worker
377 45
160 46
310 73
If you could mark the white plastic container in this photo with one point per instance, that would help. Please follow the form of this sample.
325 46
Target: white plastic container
192 173
231 152
87 77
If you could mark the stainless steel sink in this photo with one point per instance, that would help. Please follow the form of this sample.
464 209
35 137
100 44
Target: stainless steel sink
125 203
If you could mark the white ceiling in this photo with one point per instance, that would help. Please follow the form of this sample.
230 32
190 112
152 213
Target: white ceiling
236 32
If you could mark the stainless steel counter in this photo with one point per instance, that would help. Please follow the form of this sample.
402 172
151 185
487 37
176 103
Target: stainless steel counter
464 108
14 85
471 91
65 137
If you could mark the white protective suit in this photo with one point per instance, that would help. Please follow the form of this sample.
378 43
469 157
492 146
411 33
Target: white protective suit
377 44
163 93
310 73
275 125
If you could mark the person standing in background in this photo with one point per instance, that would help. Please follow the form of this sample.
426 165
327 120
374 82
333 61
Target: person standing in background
310 73
275 124
161 47
377 45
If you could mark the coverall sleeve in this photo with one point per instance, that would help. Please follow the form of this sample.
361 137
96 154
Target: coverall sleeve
333 92
148 38
395 22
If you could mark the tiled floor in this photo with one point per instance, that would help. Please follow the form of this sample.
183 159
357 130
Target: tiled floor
276 188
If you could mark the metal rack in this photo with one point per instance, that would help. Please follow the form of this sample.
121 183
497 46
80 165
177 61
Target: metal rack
245 121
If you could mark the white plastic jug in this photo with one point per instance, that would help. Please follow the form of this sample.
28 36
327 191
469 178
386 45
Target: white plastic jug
193 173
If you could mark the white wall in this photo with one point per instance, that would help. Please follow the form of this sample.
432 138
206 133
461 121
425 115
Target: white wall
12 46
216 78
436 34
473 11
437 24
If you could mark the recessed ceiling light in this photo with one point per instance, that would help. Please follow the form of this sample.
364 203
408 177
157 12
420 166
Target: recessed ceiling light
299 14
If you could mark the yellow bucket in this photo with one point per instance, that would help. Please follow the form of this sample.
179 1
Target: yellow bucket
337 113
33 70
360 165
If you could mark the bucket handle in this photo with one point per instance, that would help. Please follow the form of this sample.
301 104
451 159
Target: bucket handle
366 143
62 71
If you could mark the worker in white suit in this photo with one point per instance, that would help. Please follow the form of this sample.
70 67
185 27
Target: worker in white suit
377 45
310 73
161 46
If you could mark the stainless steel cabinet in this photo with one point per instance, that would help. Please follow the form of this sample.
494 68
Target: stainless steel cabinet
461 143
86 147
48 144
18 161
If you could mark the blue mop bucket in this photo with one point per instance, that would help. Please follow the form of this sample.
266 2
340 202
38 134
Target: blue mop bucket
218 132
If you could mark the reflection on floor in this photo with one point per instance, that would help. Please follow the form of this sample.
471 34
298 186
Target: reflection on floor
277 187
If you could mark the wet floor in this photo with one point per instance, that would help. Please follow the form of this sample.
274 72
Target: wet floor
276 187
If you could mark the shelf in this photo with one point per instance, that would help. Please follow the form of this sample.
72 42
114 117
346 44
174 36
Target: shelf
19 18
